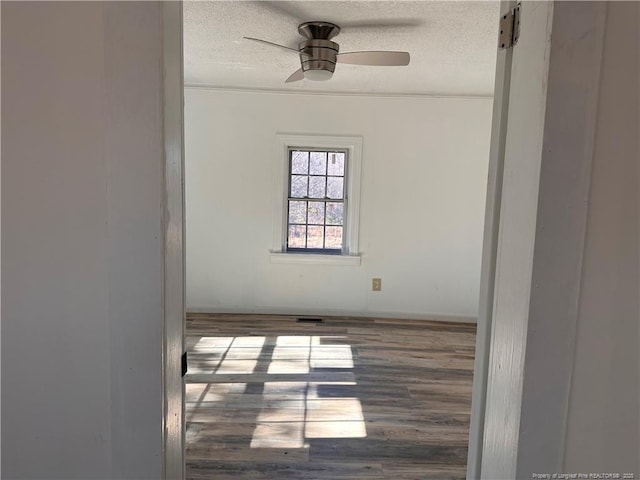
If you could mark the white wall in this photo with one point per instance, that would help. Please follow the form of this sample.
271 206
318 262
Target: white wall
424 173
603 425
82 158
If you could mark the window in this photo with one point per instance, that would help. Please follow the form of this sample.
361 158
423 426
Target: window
317 199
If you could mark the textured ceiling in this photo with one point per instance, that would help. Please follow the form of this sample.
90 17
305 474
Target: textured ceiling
452 45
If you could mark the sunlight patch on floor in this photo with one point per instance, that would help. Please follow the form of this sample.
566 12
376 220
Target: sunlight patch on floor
296 411
242 355
335 429
278 435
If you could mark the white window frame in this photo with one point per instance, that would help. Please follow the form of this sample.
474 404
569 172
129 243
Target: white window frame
353 146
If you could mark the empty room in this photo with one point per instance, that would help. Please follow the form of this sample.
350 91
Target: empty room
336 158
333 241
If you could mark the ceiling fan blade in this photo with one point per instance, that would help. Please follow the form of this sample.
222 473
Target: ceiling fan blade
271 43
378 59
295 76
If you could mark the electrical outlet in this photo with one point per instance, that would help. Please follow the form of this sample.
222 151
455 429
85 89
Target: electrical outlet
376 284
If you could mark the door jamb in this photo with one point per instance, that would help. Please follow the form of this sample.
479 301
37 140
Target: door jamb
516 236
489 252
173 429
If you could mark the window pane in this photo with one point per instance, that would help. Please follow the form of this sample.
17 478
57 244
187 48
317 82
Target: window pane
333 238
297 212
336 164
299 185
318 163
317 187
335 187
297 235
335 213
314 237
316 213
299 162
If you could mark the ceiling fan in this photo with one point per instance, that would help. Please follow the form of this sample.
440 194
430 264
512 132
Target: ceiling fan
319 55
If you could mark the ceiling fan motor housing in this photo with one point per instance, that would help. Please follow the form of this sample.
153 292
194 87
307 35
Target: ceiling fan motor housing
318 54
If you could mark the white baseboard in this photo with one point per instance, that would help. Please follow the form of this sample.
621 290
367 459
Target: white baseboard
438 317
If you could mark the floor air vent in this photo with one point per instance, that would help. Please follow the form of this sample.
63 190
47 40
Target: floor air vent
310 320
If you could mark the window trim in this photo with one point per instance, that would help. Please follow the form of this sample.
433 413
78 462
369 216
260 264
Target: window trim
353 146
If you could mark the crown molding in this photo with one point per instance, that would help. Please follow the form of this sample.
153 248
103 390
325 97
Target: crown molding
195 86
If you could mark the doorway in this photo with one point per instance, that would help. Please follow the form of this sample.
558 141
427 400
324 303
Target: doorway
431 215
248 118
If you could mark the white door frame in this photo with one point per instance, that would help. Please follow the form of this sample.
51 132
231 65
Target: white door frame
541 224
515 241
547 169
489 252
173 230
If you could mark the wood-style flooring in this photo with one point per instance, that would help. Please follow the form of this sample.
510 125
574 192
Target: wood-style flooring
350 398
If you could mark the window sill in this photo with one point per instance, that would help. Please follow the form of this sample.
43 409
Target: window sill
315 259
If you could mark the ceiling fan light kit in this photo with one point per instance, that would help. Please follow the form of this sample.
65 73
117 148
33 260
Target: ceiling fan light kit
319 55
318 74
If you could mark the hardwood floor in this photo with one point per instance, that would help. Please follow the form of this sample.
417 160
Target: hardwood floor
350 398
